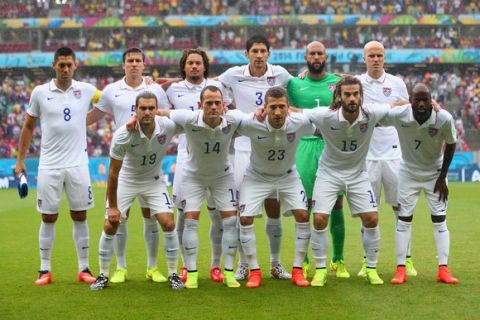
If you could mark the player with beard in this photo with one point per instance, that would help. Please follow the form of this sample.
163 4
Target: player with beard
315 89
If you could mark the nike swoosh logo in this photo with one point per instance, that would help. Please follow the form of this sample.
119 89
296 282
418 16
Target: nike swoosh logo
44 249
260 138
242 80
196 130
83 248
304 88
191 248
181 95
333 128
172 250
405 126
245 241
133 145
118 95
232 247
89 203
50 98
300 238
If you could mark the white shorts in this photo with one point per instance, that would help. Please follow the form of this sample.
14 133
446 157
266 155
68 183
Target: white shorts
409 190
75 181
195 188
182 157
384 172
256 188
240 165
153 195
358 192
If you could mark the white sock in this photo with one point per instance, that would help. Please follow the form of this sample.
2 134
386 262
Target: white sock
242 258
190 244
105 251
371 245
151 235
442 241
402 238
46 235
273 227
170 245
409 249
179 225
302 238
249 245
81 238
320 243
216 231
120 244
229 241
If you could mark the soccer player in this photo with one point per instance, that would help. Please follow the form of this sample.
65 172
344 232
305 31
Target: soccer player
312 90
62 105
384 153
118 99
423 135
135 171
209 133
185 95
347 127
248 84
272 171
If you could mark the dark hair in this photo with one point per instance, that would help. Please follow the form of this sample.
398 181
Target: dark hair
210 88
337 94
202 53
63 52
146 95
257 39
131 50
275 92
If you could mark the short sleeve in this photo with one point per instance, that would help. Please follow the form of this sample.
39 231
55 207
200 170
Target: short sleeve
34 105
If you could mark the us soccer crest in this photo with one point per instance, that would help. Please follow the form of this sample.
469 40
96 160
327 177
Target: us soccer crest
226 130
432 132
271 81
363 127
77 94
332 87
387 91
183 204
161 139
291 136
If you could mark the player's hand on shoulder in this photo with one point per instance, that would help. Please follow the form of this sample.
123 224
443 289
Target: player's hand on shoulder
260 114
436 106
132 124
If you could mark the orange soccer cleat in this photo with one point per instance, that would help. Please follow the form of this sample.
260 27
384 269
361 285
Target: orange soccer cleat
298 279
254 279
216 274
445 276
400 276
86 276
44 278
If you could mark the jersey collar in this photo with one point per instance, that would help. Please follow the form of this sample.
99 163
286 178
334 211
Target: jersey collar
430 121
201 123
125 86
382 78
272 129
192 86
156 131
269 72
53 86
341 118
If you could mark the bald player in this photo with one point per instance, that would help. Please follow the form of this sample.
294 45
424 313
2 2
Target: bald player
312 90
428 141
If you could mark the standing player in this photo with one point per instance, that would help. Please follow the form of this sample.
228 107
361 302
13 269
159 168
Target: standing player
135 171
272 171
118 99
184 95
315 89
384 153
423 134
62 105
209 133
248 84
347 127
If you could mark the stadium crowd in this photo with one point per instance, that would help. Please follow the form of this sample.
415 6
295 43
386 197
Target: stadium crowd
125 8
16 89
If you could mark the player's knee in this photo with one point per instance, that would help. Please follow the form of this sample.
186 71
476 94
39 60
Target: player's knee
49 218
168 225
406 219
110 227
370 219
320 221
78 215
438 219
301 215
246 221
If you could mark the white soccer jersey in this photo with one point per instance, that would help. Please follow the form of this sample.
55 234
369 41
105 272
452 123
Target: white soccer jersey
63 118
346 145
249 91
142 157
118 99
422 145
386 89
273 150
184 95
207 147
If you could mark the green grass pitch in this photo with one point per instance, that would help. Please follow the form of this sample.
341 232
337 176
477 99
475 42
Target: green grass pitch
420 298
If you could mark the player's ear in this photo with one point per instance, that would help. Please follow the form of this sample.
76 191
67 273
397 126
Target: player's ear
199 105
